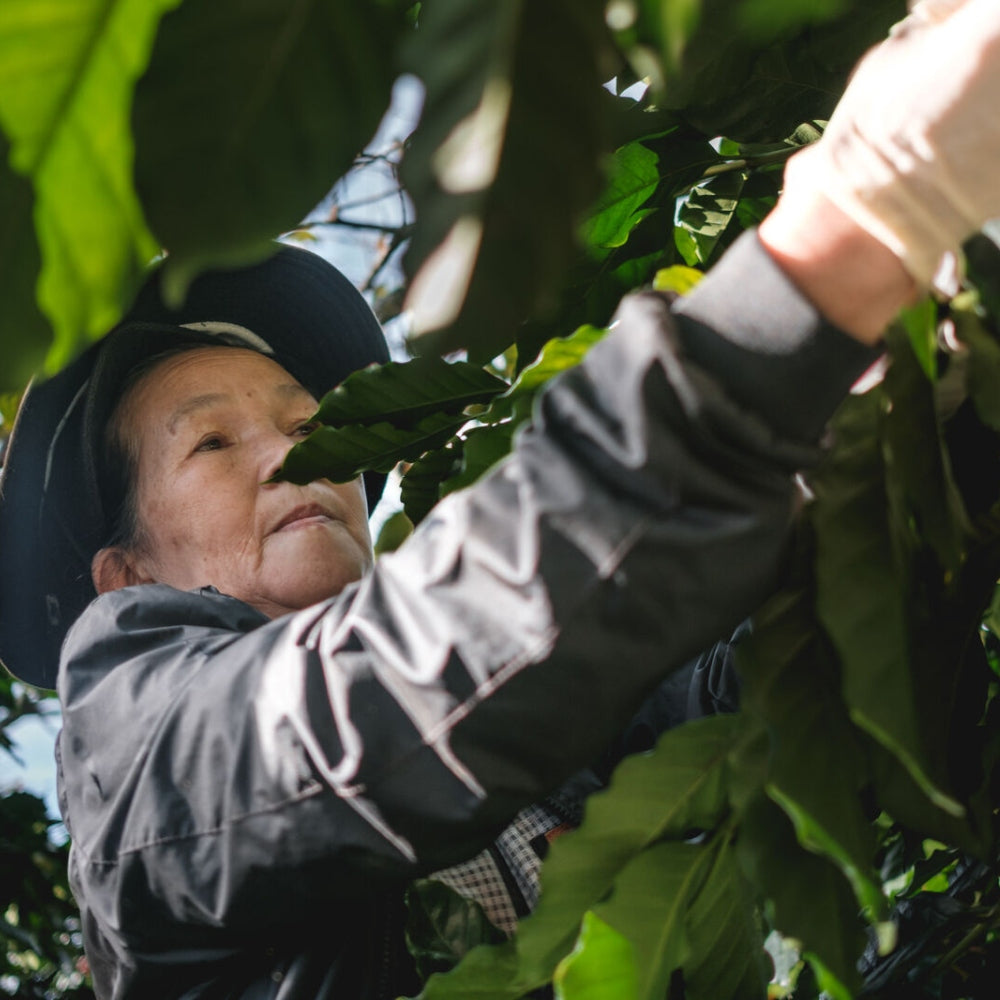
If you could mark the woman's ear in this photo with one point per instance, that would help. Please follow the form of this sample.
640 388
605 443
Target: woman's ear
113 568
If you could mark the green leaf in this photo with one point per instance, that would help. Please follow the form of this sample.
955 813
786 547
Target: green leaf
867 620
808 897
650 907
920 324
482 448
499 182
557 355
249 112
688 771
443 926
421 485
404 393
25 334
704 216
758 86
600 967
397 528
984 364
66 77
343 453
792 683
678 279
634 177
486 973
726 947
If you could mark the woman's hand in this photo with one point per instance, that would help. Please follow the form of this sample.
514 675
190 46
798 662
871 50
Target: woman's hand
905 171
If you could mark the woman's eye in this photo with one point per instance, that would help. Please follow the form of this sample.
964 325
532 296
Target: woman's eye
303 430
212 443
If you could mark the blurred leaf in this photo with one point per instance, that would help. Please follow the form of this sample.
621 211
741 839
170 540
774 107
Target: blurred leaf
758 86
66 78
343 453
920 324
248 113
704 216
982 261
600 967
679 279
404 393
498 180
25 334
984 365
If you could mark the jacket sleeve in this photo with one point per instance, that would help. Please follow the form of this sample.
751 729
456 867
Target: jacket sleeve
220 776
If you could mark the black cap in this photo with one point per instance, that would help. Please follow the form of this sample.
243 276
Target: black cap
55 511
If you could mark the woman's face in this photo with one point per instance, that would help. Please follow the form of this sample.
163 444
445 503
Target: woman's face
211 426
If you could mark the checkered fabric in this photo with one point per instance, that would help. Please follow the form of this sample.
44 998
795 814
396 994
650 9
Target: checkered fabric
503 879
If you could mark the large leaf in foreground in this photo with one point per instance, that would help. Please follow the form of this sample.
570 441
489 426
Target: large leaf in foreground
600 967
688 772
249 112
66 77
809 899
24 332
650 907
726 957
867 619
817 768
498 180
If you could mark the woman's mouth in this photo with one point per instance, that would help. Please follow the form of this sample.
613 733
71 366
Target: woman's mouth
304 516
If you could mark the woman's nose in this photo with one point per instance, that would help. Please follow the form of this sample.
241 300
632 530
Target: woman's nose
274 449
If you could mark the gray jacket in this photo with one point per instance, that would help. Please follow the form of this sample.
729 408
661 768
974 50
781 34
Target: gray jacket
247 797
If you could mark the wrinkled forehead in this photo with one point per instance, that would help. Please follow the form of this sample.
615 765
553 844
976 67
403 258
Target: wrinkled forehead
169 389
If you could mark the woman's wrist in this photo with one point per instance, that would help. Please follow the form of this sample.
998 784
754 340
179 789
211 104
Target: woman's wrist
855 281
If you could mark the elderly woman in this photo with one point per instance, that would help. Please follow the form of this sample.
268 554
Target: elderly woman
265 737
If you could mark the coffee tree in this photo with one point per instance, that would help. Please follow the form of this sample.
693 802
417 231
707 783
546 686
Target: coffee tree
847 812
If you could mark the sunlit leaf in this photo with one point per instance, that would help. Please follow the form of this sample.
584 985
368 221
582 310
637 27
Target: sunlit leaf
650 907
66 78
678 279
634 177
704 216
600 967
